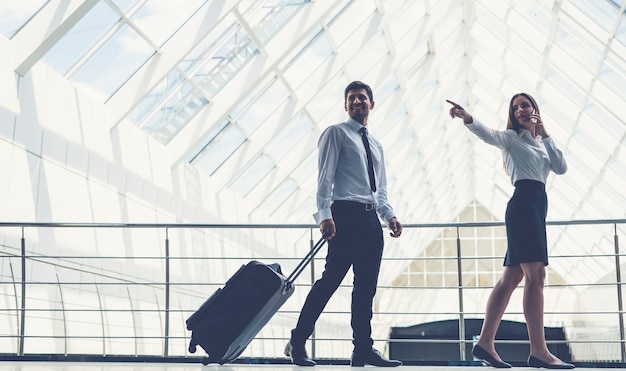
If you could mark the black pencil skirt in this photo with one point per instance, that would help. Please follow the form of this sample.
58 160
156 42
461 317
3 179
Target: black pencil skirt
525 221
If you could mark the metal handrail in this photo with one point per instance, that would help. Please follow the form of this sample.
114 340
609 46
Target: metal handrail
168 284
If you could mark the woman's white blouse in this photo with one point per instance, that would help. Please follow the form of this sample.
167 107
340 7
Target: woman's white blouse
525 157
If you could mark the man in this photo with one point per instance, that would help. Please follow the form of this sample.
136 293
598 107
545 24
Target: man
352 193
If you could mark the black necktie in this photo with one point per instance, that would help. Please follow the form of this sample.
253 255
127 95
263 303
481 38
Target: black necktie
368 152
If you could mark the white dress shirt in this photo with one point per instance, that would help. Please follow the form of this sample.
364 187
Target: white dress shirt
343 171
525 157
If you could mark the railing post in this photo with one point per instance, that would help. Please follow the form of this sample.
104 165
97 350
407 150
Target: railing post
132 315
167 294
63 314
104 338
17 306
20 351
311 244
459 270
620 306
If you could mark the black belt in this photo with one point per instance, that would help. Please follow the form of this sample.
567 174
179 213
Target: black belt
529 183
357 206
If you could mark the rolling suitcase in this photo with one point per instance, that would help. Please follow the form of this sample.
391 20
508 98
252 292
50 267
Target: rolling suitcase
229 319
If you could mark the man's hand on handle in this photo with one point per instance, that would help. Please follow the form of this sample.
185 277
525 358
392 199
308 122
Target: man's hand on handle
328 227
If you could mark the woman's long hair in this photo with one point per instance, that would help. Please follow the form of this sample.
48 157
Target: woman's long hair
512 122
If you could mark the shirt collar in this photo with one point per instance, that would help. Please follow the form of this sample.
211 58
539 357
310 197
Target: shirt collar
524 132
355 125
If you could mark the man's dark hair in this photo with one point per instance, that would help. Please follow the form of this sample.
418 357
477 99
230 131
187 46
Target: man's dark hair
356 85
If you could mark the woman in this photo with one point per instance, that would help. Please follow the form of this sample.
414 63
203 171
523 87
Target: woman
529 155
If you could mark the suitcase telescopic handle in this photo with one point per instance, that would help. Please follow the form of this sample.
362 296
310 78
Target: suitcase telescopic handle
307 259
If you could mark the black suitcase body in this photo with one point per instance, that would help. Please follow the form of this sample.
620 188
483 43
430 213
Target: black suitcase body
229 319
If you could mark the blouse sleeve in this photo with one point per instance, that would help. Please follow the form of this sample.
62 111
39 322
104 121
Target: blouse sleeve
496 138
557 161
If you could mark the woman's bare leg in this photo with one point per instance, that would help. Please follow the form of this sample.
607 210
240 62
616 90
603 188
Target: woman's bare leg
535 274
496 304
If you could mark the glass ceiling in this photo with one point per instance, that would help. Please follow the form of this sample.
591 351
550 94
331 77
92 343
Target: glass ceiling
241 89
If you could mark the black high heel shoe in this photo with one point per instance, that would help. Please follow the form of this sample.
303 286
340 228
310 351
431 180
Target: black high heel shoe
481 353
537 363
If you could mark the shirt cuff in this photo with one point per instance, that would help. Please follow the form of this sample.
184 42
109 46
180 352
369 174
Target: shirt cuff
387 218
322 215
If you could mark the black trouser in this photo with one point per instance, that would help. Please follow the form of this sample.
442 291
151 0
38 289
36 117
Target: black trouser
358 242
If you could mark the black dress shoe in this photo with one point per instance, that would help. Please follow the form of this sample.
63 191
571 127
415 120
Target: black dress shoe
537 363
480 353
298 355
372 357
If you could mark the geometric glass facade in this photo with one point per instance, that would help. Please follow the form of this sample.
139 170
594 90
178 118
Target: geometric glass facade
209 112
